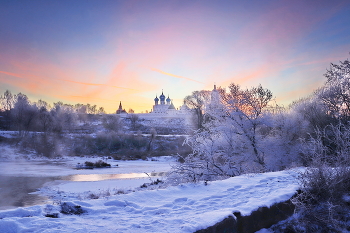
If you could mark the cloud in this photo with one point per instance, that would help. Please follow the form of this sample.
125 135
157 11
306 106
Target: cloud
23 76
173 75
12 74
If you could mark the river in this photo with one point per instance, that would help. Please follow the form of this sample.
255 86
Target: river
19 179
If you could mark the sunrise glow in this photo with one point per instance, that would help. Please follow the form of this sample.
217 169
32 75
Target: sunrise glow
104 52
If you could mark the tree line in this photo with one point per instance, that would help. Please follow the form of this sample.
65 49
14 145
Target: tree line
18 113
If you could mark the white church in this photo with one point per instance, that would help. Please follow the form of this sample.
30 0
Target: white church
165 114
165 107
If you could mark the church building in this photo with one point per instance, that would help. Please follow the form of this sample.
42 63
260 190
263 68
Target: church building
162 105
120 109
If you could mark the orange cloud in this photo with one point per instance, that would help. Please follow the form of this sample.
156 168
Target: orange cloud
24 76
173 75
91 84
13 74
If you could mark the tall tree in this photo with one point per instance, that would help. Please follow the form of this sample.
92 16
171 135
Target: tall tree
230 141
335 93
101 110
197 101
244 111
7 102
23 113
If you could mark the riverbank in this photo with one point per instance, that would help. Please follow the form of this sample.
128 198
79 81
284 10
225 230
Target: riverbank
184 208
38 180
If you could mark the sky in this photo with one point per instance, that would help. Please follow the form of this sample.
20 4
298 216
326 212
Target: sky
104 52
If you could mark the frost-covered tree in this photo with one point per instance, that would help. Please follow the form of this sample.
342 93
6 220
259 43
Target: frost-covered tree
335 93
197 101
245 110
322 203
280 137
230 142
134 121
44 120
64 117
329 146
101 110
111 122
23 113
7 102
313 111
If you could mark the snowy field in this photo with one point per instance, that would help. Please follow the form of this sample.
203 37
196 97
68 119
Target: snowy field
184 208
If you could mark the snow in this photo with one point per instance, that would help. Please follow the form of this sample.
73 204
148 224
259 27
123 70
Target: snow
8 134
183 208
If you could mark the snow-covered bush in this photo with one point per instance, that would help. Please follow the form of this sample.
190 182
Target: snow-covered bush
329 146
42 144
281 138
322 204
111 123
313 110
211 158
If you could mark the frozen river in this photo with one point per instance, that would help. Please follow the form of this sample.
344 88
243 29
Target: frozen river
19 179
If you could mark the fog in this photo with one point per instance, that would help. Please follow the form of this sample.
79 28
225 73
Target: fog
20 178
15 191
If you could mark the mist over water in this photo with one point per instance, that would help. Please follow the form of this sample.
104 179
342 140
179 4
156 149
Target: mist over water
18 179
99 177
15 191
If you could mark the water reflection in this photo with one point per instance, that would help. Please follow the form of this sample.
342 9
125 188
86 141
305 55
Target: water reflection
14 191
20 178
99 177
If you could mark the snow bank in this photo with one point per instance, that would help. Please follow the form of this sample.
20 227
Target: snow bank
9 134
184 208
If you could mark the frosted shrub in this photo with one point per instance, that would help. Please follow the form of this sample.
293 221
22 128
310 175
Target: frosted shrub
215 155
42 144
329 146
280 139
322 205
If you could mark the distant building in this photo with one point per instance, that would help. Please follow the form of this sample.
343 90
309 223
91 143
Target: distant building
120 109
165 115
165 107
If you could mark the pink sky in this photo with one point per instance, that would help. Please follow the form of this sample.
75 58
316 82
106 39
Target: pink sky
103 52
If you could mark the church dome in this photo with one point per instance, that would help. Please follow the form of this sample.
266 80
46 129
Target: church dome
168 100
162 97
156 99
